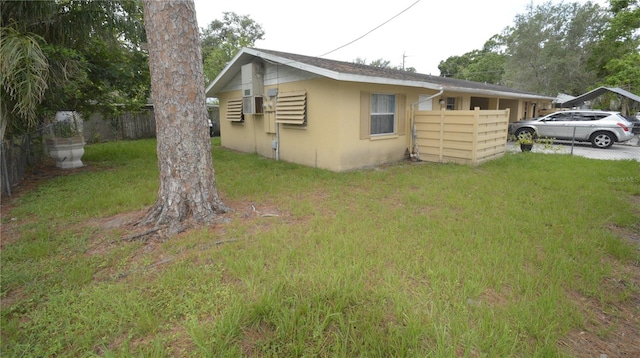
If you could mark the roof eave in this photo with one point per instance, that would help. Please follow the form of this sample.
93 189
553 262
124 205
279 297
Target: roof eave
497 93
229 72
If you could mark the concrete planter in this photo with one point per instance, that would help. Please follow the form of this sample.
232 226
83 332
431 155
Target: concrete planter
67 152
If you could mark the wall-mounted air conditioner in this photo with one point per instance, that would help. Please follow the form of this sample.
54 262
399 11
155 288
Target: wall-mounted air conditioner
252 105
252 87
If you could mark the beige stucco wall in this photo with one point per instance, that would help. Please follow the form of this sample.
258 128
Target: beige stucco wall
331 138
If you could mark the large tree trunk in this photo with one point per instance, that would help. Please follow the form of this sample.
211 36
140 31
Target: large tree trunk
187 193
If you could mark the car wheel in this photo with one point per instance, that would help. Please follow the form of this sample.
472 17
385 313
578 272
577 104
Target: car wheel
602 140
524 131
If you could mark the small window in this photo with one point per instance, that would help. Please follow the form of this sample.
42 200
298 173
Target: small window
383 111
451 103
382 114
291 108
234 110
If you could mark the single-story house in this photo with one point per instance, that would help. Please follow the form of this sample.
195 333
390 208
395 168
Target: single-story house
339 115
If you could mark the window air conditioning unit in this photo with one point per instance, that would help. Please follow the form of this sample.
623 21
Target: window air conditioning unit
252 105
252 87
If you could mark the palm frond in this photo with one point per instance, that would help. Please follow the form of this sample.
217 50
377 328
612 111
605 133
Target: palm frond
24 72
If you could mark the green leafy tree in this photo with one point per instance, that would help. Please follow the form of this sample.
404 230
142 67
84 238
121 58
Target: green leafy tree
68 55
616 56
624 72
222 39
382 63
486 65
548 47
25 73
454 66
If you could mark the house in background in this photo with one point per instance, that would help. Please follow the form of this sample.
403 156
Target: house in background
340 116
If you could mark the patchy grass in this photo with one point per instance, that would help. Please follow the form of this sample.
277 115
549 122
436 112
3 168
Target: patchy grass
528 255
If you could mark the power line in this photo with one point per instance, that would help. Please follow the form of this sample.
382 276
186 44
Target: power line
370 31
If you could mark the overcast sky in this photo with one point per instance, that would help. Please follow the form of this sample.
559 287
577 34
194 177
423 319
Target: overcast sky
425 34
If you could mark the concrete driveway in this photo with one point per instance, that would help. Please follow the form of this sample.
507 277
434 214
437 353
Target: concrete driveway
627 150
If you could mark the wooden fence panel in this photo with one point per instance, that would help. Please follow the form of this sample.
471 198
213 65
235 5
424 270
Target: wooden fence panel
467 137
136 125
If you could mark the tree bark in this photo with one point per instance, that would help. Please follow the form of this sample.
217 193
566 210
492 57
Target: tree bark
187 192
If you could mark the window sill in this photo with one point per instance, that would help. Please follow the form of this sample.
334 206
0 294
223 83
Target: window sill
384 137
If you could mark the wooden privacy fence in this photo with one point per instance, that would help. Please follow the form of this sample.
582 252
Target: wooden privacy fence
466 137
136 125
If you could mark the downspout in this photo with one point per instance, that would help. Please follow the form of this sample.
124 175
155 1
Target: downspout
275 144
415 151
277 141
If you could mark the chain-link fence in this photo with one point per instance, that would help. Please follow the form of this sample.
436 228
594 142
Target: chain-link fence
18 154
628 150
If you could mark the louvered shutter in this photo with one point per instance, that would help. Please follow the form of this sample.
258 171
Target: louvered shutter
292 108
234 110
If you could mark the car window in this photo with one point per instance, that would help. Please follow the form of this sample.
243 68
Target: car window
559 117
585 116
618 115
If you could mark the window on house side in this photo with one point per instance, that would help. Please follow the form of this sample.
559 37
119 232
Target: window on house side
451 103
383 111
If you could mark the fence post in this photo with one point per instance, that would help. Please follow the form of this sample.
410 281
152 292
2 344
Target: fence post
441 145
474 139
573 139
5 172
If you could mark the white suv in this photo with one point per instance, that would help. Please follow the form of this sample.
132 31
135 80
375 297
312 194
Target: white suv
601 128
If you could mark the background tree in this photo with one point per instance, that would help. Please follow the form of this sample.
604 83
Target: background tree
222 39
616 57
382 63
565 48
187 194
486 65
82 55
548 47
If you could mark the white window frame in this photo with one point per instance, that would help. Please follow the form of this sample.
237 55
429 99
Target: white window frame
373 114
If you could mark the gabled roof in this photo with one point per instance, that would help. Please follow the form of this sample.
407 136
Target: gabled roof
347 71
597 93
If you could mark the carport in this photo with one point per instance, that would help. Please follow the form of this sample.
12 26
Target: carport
627 98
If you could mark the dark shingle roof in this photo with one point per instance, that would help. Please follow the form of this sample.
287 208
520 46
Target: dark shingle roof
348 71
372 71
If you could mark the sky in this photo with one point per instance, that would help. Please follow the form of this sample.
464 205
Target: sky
426 33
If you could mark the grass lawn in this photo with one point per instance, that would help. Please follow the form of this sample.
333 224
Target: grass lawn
528 255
